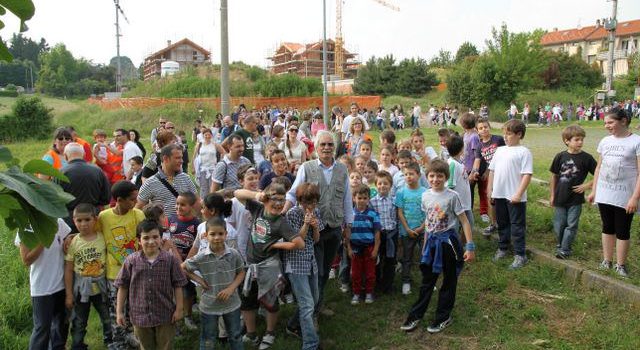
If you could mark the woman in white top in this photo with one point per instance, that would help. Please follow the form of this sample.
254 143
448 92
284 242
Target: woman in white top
205 160
294 149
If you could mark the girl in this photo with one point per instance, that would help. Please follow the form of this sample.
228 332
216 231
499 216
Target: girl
616 187
294 149
386 160
280 168
266 167
317 125
422 154
240 217
154 211
525 113
205 158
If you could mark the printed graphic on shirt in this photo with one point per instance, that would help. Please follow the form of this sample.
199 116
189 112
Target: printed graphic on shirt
488 151
437 219
124 246
568 170
261 231
90 261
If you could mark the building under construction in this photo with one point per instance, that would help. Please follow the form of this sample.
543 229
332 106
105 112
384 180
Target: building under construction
305 60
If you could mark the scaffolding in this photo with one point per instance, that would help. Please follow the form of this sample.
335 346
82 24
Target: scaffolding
306 60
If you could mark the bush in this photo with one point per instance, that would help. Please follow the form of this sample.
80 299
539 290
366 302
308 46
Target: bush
8 93
30 118
411 77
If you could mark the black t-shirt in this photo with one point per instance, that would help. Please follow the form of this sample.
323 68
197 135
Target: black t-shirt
571 170
487 149
268 178
265 231
248 144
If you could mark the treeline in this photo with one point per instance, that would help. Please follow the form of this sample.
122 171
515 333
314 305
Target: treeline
382 76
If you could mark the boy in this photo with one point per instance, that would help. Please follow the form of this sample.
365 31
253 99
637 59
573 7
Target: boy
221 271
280 167
183 228
442 251
369 175
151 279
366 147
84 277
472 157
510 172
458 179
443 136
382 203
50 326
388 138
135 175
363 243
118 226
360 163
101 152
411 219
488 145
569 169
404 158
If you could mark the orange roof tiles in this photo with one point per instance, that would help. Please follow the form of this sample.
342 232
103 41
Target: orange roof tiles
588 33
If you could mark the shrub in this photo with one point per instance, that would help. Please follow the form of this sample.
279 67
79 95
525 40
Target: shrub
30 118
8 93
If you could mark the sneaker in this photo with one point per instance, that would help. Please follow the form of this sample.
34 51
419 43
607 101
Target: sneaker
267 341
406 289
332 274
605 265
296 332
344 288
255 341
398 267
435 328
499 254
355 300
518 262
368 299
489 230
409 325
288 298
622 270
132 340
190 324
485 218
562 255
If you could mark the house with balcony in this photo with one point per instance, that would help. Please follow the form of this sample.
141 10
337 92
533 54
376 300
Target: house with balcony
592 44
305 60
185 52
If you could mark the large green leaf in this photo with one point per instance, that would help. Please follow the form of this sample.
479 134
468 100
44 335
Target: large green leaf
5 154
43 195
24 9
44 227
7 204
39 166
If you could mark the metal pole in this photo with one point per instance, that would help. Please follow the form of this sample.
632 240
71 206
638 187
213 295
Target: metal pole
224 60
118 72
611 27
325 96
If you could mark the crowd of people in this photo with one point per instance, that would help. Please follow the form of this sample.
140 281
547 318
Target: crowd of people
277 203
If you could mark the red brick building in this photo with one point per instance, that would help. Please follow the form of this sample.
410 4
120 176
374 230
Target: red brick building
185 52
306 60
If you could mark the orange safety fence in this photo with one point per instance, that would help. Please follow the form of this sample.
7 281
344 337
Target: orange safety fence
369 102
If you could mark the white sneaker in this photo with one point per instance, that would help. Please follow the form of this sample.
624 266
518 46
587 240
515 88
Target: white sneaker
344 288
368 299
288 298
355 300
267 340
332 274
485 218
399 267
190 324
406 289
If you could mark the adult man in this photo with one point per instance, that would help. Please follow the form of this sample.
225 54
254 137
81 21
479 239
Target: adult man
415 116
249 127
129 150
87 183
154 133
226 173
336 204
168 182
346 123
229 127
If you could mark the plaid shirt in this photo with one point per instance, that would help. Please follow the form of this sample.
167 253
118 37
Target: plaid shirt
301 262
386 210
150 287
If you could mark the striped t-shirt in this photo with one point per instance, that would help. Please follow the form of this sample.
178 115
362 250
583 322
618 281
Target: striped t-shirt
364 227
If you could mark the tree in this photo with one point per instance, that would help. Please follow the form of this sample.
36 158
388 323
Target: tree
24 10
465 50
442 60
26 49
382 76
414 77
564 71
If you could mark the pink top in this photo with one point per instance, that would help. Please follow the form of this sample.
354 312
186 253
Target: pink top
315 127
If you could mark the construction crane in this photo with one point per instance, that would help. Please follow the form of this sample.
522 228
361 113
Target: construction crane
339 46
118 35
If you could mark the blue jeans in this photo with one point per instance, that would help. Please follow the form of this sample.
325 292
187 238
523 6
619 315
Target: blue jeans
512 224
305 288
565 224
80 317
209 330
50 326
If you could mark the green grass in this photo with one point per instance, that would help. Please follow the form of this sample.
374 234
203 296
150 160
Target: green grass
496 308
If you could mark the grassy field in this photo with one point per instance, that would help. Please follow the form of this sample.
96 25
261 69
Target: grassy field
496 309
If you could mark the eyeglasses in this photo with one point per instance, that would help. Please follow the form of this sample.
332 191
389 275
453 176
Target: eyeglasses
162 123
357 124
277 200
325 144
170 127
294 130
64 139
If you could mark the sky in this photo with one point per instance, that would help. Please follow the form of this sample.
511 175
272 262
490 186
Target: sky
256 27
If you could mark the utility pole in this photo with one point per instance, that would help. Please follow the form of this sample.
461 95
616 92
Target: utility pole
610 26
325 97
119 68
224 59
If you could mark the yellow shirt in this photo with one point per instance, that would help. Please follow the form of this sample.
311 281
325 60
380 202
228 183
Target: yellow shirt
119 236
89 257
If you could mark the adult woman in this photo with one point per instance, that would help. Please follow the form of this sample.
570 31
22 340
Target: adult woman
205 159
305 126
134 136
616 187
55 156
294 149
356 136
277 134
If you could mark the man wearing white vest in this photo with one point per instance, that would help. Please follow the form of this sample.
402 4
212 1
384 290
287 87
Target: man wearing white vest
336 204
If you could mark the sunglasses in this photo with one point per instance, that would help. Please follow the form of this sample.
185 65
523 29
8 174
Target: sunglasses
325 144
64 139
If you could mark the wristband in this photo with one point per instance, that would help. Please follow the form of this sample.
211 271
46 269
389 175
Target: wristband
470 247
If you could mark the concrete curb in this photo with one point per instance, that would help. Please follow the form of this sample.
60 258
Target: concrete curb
577 274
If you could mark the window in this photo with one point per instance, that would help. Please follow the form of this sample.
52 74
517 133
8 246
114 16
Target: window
591 59
624 45
561 49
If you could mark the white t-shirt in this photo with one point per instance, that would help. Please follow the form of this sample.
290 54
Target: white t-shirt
201 243
240 219
207 153
508 165
618 169
130 150
459 182
46 274
346 123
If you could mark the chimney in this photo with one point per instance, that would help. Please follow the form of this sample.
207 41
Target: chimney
555 29
597 23
168 42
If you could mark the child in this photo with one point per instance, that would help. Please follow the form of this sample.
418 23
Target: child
118 226
264 280
404 158
441 251
472 157
405 145
382 203
488 145
509 175
411 219
569 169
458 178
213 205
362 245
221 271
182 140
386 160
101 152
84 277
266 167
421 153
348 162
366 148
135 175
388 138
151 279
360 163
300 265
183 228
370 170
443 136
280 167
355 179
46 271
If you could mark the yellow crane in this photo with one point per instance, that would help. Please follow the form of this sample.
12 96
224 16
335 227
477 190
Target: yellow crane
339 47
